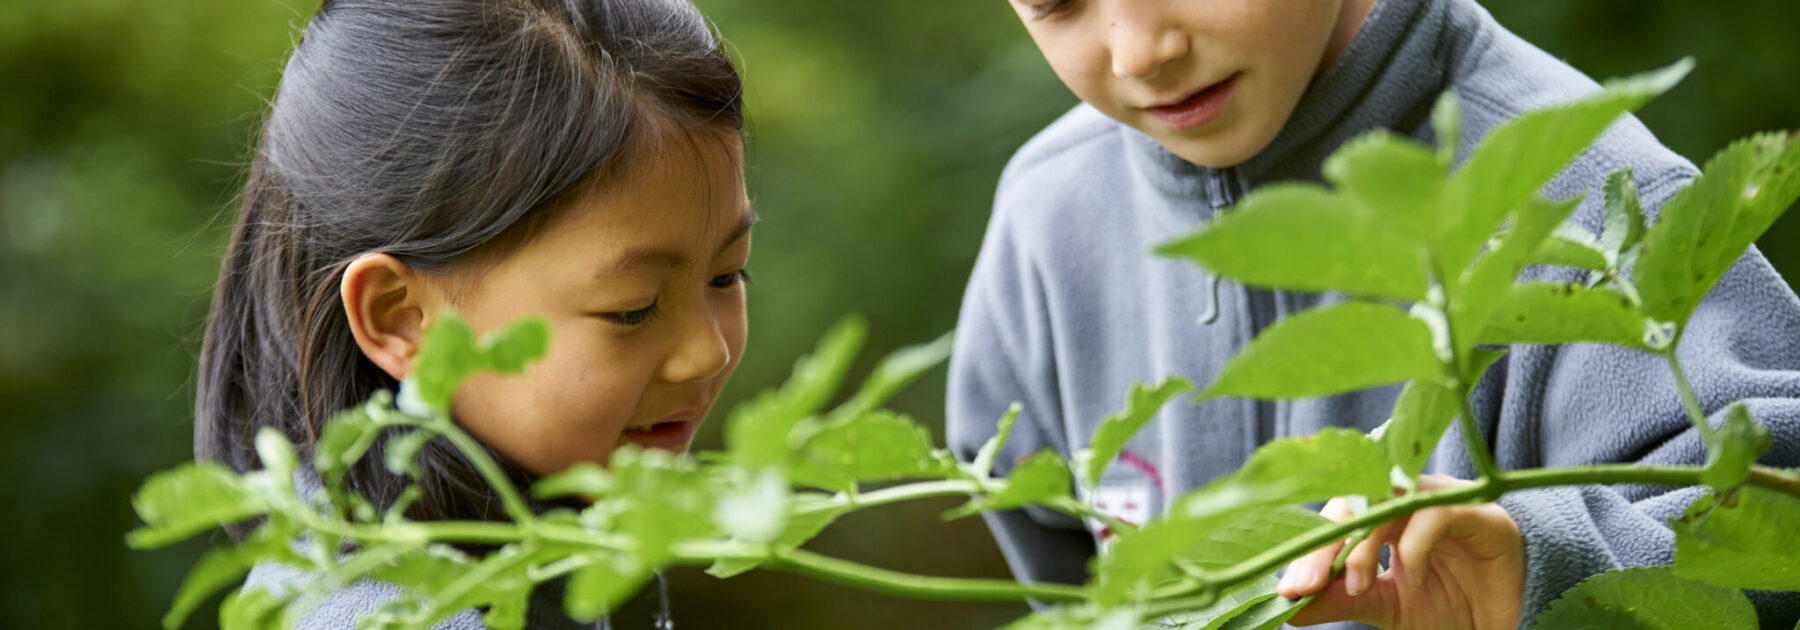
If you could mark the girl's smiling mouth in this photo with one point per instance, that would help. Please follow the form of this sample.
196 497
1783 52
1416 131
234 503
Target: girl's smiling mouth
671 433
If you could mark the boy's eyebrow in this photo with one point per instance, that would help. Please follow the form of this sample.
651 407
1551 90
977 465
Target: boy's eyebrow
654 257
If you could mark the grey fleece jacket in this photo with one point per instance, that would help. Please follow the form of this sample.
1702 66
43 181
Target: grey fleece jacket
1065 310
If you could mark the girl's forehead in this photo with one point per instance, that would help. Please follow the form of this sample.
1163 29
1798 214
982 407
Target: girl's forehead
681 198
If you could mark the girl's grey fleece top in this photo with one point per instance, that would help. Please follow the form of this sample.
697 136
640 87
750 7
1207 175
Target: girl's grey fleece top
1066 309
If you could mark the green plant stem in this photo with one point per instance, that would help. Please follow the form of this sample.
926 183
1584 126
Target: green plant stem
1688 399
516 508
1473 442
1487 489
897 494
957 487
908 585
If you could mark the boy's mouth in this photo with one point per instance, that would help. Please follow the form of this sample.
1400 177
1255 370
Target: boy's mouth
1198 108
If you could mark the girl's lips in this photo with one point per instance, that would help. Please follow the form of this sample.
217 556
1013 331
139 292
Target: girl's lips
668 436
1198 109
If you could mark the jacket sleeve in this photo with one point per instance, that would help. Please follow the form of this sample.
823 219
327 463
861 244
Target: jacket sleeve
1584 404
1003 355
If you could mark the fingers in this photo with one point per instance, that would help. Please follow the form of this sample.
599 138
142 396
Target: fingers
1335 603
1414 549
1364 562
1310 572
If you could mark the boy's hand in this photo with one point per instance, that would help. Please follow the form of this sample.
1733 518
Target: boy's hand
1457 566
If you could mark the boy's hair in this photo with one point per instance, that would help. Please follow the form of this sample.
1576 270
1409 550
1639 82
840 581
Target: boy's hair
444 133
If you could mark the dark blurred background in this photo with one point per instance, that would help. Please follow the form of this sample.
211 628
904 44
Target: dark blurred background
878 129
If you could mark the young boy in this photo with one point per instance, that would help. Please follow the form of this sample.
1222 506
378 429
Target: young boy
1188 104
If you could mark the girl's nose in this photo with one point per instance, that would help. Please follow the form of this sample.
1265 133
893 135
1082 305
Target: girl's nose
699 352
1142 44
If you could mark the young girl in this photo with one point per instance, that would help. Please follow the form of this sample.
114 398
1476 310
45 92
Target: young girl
576 160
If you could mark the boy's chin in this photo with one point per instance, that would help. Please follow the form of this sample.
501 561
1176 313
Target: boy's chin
1224 149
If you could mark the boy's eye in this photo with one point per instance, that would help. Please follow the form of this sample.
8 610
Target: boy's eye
724 281
632 318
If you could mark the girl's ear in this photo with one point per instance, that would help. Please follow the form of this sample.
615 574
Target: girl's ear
386 303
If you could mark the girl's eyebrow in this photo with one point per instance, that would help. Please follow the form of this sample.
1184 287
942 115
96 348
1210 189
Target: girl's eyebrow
671 259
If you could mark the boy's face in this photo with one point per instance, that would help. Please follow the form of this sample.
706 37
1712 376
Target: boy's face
1212 80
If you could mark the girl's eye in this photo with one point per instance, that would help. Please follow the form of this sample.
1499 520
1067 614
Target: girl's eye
725 281
632 318
1041 9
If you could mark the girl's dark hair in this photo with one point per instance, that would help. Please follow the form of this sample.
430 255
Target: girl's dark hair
437 131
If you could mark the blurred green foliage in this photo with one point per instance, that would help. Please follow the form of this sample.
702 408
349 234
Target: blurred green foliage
877 132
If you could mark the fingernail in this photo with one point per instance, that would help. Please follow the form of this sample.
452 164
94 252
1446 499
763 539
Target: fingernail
1304 579
1353 582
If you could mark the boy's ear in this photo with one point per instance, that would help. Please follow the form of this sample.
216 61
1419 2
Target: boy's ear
386 303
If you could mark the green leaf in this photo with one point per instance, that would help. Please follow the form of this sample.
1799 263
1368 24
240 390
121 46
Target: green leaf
1391 179
582 478
177 503
1076 618
1335 462
895 372
663 499
1734 448
1335 349
1515 160
347 436
1040 478
1746 541
1483 288
818 375
1229 606
1117 429
426 569
449 355
810 514
1447 121
1625 220
1544 312
446 356
1703 230
511 348
402 452
599 587
1571 246
276 453
255 609
1423 413
1140 560
1651 598
1299 237
218 568
984 458
1267 614
754 507
759 433
874 446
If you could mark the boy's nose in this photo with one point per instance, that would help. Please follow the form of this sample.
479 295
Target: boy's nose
699 353
1141 45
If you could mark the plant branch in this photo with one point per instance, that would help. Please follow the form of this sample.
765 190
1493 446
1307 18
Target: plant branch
1473 442
1487 489
516 508
1688 399
918 586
